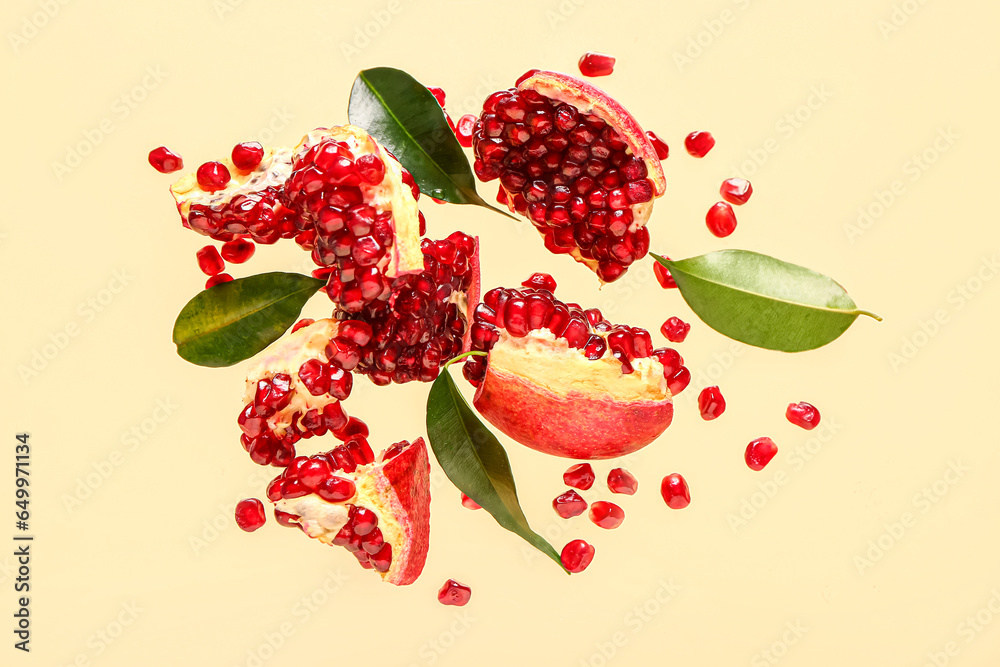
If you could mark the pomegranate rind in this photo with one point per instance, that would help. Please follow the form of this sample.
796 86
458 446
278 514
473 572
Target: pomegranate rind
403 489
591 99
578 425
472 296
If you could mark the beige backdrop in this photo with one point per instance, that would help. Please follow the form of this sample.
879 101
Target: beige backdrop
869 132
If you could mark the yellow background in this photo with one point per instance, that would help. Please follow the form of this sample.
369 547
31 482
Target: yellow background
870 541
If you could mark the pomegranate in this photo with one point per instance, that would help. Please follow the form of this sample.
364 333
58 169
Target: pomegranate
721 219
454 593
563 380
580 476
675 492
378 509
759 453
164 160
622 481
576 556
802 414
250 514
736 190
596 64
569 504
698 144
606 515
675 329
662 149
576 164
711 403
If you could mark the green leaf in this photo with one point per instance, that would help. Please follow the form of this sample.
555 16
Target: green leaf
403 115
763 301
233 321
475 461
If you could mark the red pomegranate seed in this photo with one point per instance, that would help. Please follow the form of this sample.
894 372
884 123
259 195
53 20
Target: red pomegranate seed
470 503
164 160
464 129
699 143
247 156
336 489
606 515
454 593
759 453
663 276
569 504
736 190
675 329
304 322
622 481
541 281
438 94
576 556
803 414
285 519
580 476
679 381
383 559
238 251
711 403
662 150
720 219
675 492
596 64
218 279
213 176
210 261
250 514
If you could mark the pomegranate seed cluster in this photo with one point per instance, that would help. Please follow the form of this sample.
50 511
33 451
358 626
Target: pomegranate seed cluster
570 173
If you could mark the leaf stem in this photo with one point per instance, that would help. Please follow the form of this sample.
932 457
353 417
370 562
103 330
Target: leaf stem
470 353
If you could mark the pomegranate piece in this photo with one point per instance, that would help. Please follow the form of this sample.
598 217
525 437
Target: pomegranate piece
621 480
736 190
454 593
247 156
213 176
464 129
606 515
662 150
675 329
210 261
569 504
802 414
663 276
164 160
250 514
711 404
699 143
469 503
720 219
218 279
580 476
564 380
675 492
759 453
237 251
576 556
575 164
596 64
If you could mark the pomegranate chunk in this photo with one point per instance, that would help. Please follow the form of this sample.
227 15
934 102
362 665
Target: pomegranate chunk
663 276
662 150
720 219
210 261
596 64
454 593
606 515
675 492
803 414
675 329
576 556
711 404
247 156
250 514
736 190
569 504
622 481
699 143
164 160
580 476
759 453
469 503
213 176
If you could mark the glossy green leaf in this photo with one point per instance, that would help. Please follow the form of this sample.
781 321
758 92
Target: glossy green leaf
233 321
763 301
475 461
403 116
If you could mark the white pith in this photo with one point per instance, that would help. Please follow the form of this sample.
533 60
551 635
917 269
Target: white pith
273 170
